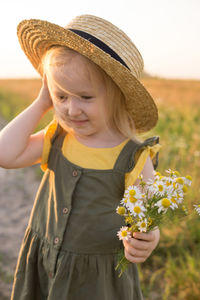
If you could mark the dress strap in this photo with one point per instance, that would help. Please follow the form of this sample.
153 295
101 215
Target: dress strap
140 158
134 155
124 161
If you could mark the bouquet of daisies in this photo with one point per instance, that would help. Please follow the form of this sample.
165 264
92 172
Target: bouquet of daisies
147 205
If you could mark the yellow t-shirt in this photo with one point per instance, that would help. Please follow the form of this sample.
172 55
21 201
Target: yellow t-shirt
88 157
95 158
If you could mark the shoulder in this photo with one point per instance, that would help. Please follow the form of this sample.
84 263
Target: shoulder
143 161
148 169
150 148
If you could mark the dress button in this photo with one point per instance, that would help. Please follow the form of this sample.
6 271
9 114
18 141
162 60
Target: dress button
65 210
56 240
74 173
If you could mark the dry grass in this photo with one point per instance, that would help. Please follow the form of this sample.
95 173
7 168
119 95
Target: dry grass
164 91
27 88
179 93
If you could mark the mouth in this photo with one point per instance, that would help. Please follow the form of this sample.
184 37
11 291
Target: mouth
78 122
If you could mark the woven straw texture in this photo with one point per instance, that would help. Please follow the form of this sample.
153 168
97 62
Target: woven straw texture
37 36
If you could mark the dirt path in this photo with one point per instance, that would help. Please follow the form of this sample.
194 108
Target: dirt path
17 191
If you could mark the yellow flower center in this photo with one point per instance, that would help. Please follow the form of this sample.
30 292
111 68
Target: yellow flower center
168 183
121 210
185 189
150 221
160 187
137 209
143 225
165 202
176 173
189 177
132 192
173 200
158 174
180 180
132 199
124 233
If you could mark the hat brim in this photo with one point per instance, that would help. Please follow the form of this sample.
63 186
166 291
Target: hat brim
37 36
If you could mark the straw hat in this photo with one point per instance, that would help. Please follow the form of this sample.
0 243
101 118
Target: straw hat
104 44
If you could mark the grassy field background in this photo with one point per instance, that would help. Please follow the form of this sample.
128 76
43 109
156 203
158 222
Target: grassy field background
173 271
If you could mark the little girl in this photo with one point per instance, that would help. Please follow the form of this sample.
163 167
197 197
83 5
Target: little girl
89 153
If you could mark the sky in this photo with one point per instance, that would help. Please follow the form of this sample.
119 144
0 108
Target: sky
166 32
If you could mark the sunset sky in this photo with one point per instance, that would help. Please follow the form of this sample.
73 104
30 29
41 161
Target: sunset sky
166 32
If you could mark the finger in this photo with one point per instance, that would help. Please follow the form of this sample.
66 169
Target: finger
137 245
149 236
137 253
134 259
44 79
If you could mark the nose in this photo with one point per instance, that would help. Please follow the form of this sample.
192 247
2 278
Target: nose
73 107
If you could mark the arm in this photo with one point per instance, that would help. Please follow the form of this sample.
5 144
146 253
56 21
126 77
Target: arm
18 146
140 247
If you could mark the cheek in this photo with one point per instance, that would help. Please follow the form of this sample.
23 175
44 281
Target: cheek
59 111
97 109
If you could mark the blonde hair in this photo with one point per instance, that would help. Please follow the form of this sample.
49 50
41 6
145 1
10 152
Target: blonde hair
118 116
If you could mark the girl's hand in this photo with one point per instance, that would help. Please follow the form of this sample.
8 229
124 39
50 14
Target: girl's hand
28 147
44 96
140 247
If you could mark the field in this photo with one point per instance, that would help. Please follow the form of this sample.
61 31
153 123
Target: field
173 271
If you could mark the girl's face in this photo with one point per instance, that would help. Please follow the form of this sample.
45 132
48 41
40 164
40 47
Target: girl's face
79 105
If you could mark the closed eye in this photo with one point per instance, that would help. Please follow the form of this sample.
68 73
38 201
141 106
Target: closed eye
86 97
61 97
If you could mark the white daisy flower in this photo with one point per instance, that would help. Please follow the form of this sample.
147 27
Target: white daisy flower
136 209
163 205
133 191
169 182
172 173
174 202
142 225
179 184
155 173
178 195
197 208
180 180
158 187
124 234
143 197
124 201
121 210
184 188
188 180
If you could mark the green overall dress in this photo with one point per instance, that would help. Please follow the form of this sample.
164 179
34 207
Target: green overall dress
69 251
